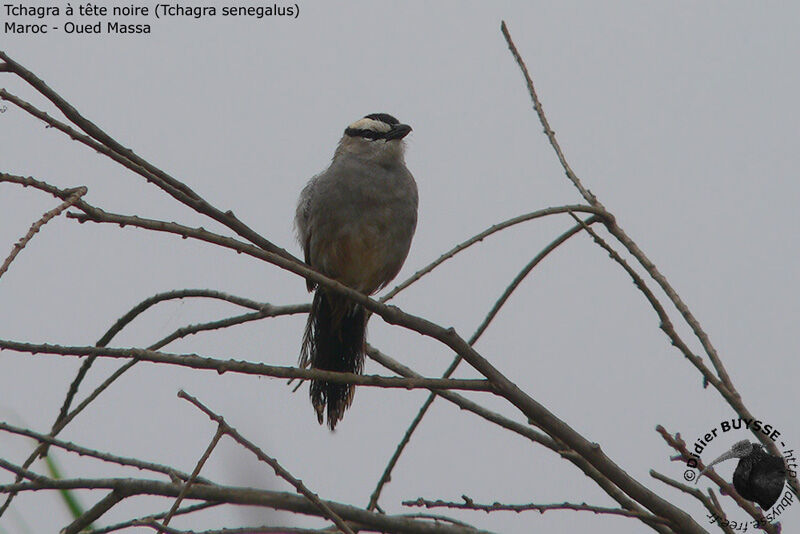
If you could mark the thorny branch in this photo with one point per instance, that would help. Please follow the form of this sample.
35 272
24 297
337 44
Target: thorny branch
565 440
532 409
469 504
711 504
154 517
193 477
728 391
177 189
526 431
93 453
266 310
251 368
386 476
130 487
298 485
74 196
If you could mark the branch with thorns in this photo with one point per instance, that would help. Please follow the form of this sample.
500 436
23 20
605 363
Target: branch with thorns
469 504
637 500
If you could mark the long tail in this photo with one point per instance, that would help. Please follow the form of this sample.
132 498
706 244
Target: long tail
334 340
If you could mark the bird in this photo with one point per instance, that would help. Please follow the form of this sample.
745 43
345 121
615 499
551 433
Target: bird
355 222
759 476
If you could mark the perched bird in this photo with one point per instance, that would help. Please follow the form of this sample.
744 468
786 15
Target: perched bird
355 222
759 477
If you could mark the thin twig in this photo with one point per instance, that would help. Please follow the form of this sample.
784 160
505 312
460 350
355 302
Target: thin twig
526 431
93 453
264 310
195 473
133 522
64 418
483 235
267 311
387 472
290 502
668 328
437 517
301 488
551 135
665 324
697 494
730 393
95 512
36 226
718 513
22 472
194 361
158 527
469 504
175 188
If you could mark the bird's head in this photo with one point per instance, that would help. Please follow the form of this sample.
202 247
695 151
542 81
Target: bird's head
377 136
740 449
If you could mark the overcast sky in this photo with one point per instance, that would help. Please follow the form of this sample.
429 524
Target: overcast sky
682 118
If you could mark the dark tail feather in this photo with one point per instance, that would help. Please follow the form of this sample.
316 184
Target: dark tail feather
334 340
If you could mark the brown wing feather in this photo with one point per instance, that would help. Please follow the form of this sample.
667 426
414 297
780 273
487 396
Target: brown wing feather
310 284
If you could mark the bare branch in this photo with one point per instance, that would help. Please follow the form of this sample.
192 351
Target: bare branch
36 226
134 522
158 527
665 323
712 507
22 472
176 294
526 431
551 135
126 157
301 488
93 453
167 183
483 235
200 463
393 315
264 310
573 442
267 310
469 504
95 512
729 392
387 472
194 361
361 518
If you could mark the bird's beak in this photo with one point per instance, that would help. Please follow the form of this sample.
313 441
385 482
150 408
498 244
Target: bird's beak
398 131
727 456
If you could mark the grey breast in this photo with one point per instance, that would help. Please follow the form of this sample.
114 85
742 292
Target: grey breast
356 221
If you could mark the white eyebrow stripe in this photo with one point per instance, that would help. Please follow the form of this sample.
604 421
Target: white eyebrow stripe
370 124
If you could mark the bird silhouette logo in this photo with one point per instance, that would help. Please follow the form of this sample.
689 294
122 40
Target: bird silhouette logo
759 477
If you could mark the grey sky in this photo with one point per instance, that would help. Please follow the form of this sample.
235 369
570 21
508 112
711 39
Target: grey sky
682 118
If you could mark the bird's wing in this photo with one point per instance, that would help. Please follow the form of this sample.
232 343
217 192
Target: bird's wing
310 284
301 223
